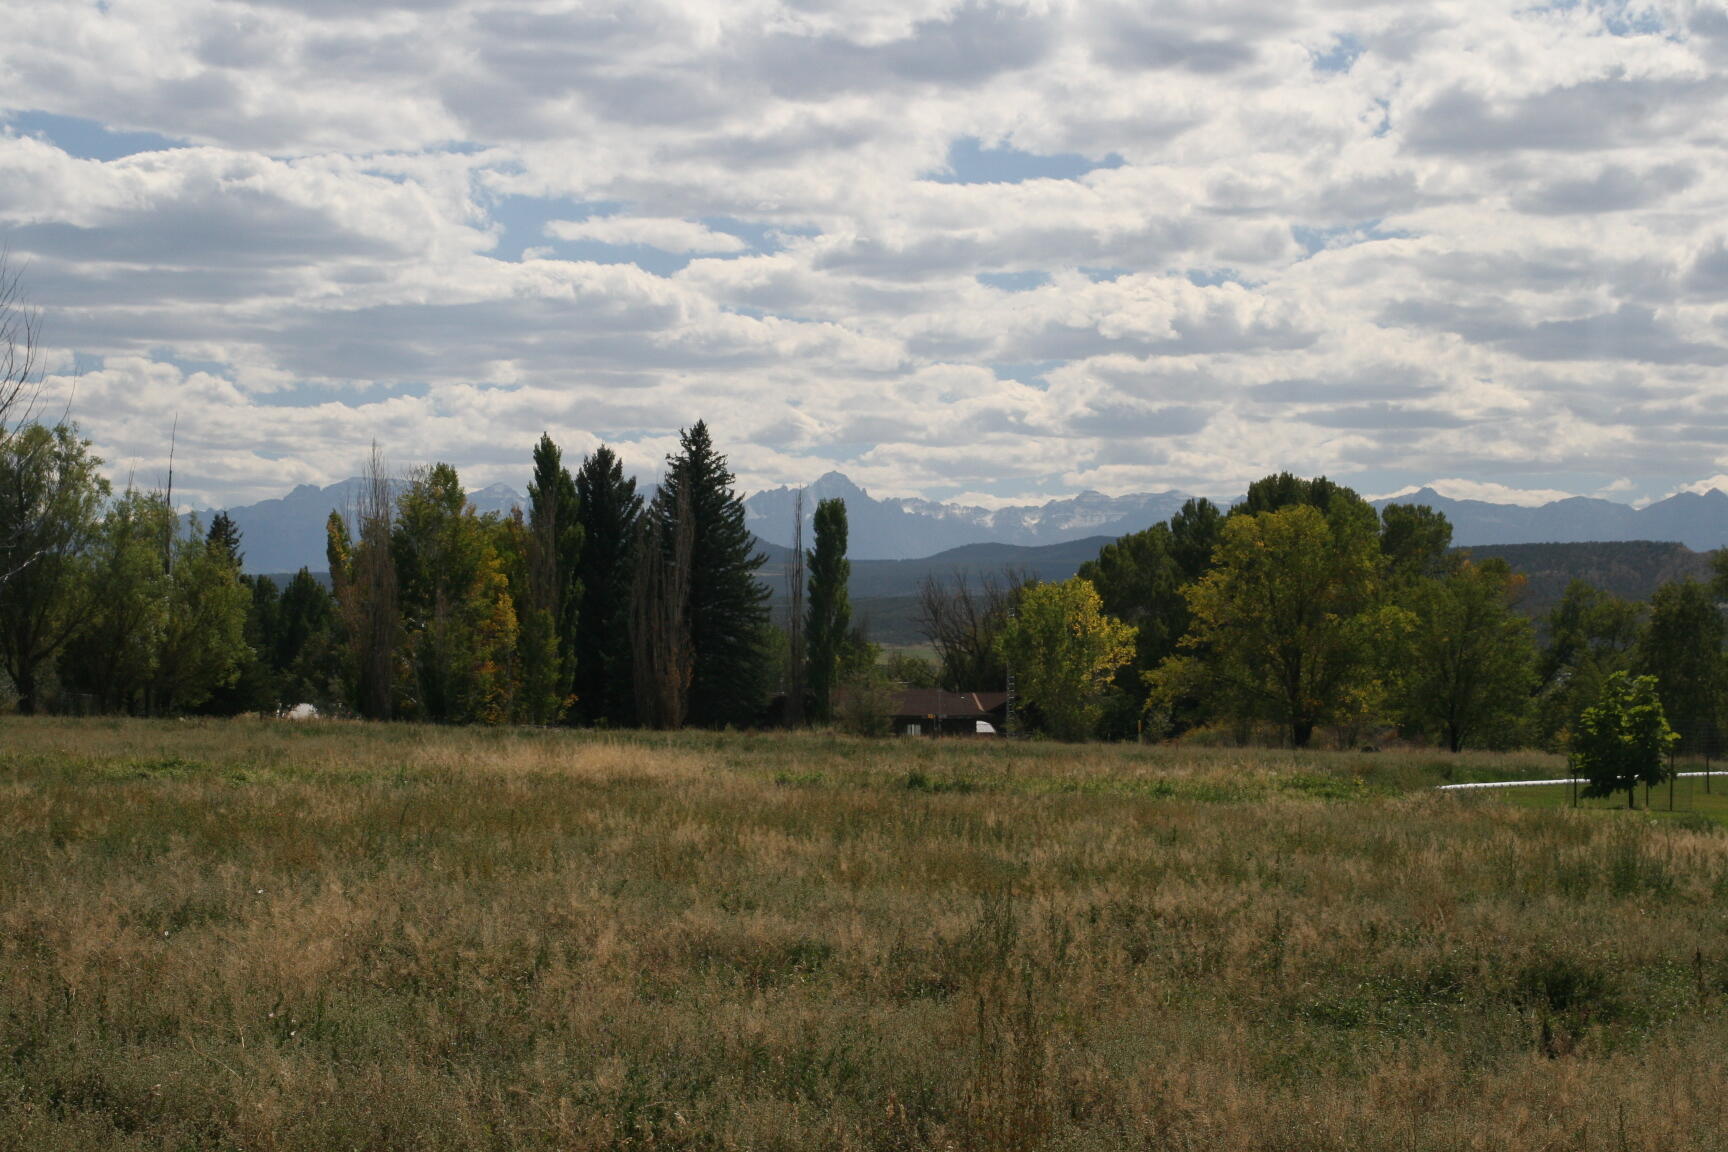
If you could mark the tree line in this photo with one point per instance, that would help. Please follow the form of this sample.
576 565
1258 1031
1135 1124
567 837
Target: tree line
1300 609
597 605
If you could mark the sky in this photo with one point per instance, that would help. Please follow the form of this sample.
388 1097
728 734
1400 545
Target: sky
996 252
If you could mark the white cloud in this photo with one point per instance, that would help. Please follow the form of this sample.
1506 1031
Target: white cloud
1475 241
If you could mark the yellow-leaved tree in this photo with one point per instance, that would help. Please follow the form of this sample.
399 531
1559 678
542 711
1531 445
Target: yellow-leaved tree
1286 625
1063 651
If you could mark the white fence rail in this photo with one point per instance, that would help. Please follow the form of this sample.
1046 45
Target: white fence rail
1540 783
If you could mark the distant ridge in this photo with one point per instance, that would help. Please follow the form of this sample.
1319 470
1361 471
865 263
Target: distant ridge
902 577
1698 521
1630 569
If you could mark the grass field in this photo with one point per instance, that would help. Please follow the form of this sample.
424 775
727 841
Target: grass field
232 935
1690 799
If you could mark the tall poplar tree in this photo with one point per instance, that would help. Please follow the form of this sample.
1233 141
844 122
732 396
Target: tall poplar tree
608 508
728 604
830 608
364 579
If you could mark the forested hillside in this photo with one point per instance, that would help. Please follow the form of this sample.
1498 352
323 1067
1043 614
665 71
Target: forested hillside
1631 570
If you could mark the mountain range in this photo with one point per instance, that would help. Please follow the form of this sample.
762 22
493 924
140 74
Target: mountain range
900 528
284 534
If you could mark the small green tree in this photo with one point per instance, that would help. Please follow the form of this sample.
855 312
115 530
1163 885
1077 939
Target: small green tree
1623 738
1063 651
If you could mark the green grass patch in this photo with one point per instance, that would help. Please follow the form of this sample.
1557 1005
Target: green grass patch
1688 803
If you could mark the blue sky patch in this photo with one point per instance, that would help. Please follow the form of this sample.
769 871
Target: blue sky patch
1317 240
524 219
1212 277
86 139
1031 372
1014 281
1338 58
969 162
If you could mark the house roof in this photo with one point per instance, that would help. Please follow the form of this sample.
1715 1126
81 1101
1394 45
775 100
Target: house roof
953 705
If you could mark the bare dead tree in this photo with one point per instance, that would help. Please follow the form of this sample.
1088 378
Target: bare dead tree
961 621
795 654
664 659
377 575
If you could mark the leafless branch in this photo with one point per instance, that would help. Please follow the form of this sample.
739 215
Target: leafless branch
20 350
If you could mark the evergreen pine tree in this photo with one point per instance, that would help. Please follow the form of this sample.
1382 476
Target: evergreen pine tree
224 537
830 611
307 655
728 604
553 596
608 508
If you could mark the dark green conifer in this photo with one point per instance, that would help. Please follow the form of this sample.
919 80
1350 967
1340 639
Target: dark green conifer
608 509
728 614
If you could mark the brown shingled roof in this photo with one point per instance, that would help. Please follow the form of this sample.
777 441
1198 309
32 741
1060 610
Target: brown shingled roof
954 705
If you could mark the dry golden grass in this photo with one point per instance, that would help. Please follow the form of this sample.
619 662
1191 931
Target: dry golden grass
244 935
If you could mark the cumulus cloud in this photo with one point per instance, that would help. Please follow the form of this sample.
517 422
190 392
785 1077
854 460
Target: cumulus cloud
1000 246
